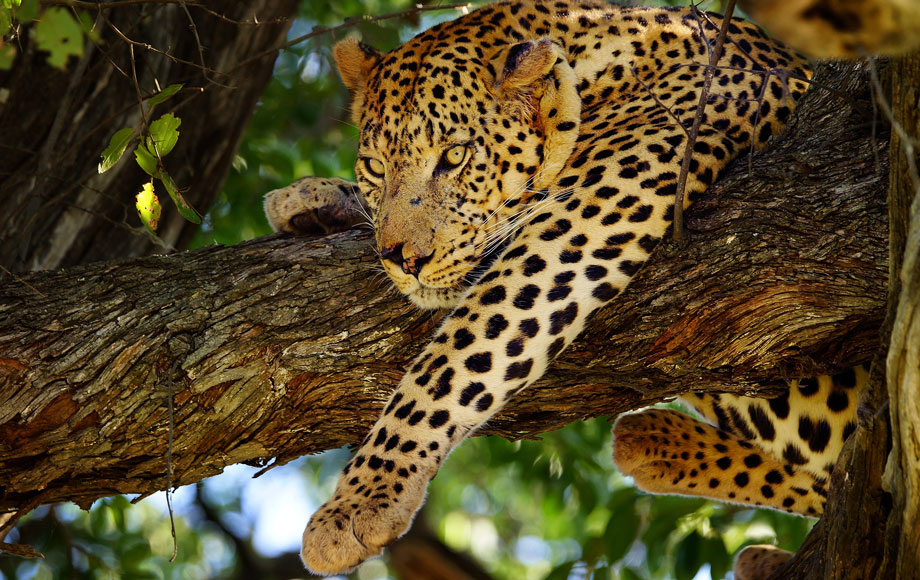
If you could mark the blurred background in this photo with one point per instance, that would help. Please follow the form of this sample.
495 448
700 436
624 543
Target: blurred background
551 509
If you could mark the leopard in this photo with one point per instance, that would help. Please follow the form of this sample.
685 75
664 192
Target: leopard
519 165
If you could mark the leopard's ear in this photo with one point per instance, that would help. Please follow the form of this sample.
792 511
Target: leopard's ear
534 80
355 61
523 65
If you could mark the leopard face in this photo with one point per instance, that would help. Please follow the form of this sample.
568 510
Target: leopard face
456 142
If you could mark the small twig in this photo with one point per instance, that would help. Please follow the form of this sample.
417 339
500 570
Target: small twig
908 144
652 94
26 284
108 5
123 3
697 122
204 67
169 464
254 22
318 30
151 48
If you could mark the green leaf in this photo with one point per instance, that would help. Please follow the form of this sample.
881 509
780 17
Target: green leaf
602 573
623 525
164 94
714 552
117 145
27 11
6 21
187 211
687 557
7 51
58 33
560 572
145 160
148 207
164 132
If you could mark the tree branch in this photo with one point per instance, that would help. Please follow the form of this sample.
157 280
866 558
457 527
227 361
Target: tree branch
289 346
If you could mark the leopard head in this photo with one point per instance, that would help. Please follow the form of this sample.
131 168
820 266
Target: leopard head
455 144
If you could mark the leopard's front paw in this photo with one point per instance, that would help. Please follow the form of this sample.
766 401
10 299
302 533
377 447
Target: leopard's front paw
361 520
315 206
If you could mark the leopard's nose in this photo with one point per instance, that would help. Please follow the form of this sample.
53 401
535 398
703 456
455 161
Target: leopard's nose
411 264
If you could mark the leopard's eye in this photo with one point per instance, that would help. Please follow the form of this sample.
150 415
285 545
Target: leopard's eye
374 166
455 155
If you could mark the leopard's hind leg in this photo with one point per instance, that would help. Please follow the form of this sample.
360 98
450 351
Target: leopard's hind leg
759 562
666 451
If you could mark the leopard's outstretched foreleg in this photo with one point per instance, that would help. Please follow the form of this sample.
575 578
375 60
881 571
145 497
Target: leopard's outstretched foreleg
667 451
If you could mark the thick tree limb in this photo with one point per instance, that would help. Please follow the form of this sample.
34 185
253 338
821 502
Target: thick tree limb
282 346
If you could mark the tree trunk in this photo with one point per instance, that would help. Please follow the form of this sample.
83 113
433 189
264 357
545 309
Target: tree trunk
871 527
902 474
281 346
57 210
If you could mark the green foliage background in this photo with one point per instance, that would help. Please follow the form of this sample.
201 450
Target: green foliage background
536 510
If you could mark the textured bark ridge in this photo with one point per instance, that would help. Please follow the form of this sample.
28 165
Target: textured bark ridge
282 346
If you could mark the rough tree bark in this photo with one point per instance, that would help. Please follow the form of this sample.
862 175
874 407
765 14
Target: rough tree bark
281 346
57 210
902 474
871 528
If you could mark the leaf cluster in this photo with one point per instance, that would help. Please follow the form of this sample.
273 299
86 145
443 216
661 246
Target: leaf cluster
155 141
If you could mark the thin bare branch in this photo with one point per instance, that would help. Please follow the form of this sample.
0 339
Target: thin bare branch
319 30
714 57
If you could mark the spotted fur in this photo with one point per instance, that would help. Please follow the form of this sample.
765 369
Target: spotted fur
759 562
520 165
841 28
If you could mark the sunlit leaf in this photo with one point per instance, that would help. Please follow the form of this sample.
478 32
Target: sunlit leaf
145 160
165 133
117 145
164 94
58 33
187 211
148 208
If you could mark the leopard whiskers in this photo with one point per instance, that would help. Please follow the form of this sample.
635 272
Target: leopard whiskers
501 231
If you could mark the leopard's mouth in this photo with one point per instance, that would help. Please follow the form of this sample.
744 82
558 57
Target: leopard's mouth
440 297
